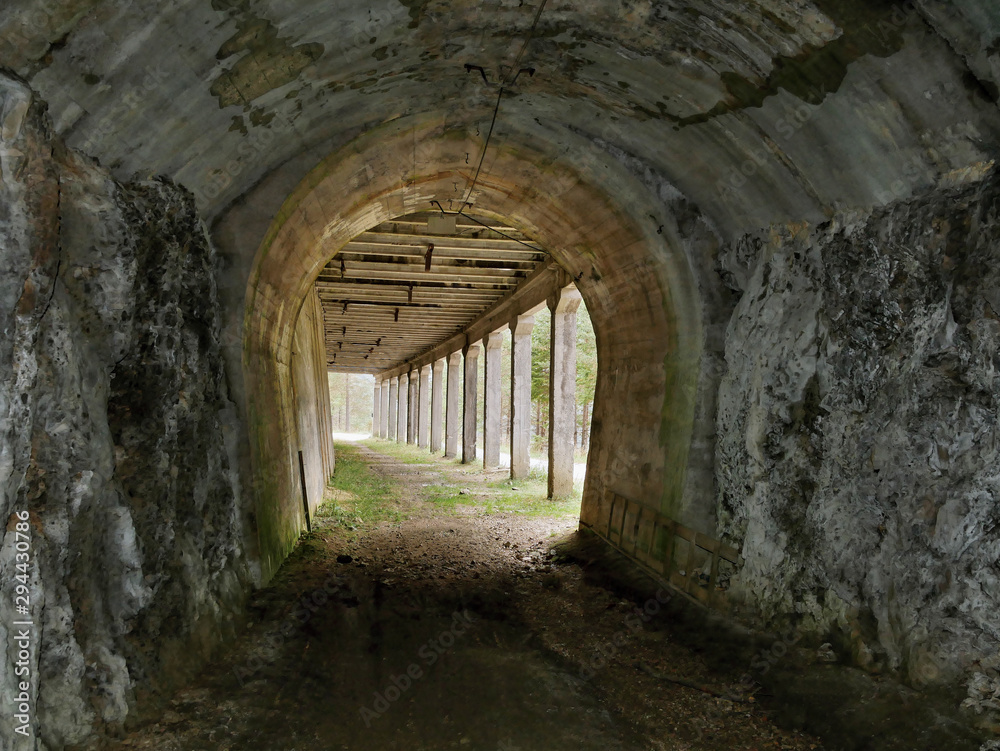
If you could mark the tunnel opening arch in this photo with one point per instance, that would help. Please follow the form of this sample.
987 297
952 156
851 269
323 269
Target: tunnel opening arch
594 219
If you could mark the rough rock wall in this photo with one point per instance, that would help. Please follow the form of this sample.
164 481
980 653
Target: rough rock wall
858 443
116 436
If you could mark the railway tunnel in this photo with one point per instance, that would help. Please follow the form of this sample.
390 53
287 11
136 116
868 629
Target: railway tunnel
780 216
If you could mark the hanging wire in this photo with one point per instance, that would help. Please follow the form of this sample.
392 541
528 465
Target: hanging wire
486 145
491 229
502 234
515 71
527 39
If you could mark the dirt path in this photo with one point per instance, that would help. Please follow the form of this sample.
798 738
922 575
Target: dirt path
453 628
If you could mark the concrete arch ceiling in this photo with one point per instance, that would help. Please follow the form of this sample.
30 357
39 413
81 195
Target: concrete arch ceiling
756 111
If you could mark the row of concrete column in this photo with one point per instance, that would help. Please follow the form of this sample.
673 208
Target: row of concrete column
408 406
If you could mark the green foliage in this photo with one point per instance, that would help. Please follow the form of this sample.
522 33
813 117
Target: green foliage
362 401
586 358
526 497
586 375
540 338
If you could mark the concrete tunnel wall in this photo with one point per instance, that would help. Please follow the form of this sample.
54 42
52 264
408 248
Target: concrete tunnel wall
636 281
313 416
294 417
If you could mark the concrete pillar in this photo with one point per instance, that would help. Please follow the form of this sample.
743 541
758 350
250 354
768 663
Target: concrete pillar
404 397
520 396
376 407
411 415
451 408
424 419
471 353
491 421
391 409
437 391
562 390
384 427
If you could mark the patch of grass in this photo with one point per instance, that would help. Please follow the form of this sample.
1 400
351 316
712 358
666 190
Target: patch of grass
407 453
446 497
530 498
526 497
358 496
536 481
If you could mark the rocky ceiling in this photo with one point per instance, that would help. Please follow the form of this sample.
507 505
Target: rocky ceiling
755 111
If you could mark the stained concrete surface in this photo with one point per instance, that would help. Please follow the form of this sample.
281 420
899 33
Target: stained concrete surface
116 437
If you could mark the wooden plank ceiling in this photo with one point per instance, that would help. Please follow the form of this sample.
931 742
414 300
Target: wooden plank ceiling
381 303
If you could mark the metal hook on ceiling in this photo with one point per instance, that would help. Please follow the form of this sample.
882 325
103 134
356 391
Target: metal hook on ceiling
469 67
529 71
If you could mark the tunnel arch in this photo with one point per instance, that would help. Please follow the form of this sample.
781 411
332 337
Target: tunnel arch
631 271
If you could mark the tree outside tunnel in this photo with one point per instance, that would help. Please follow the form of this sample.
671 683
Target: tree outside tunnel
351 402
586 382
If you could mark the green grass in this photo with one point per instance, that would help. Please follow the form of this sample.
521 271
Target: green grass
407 453
497 497
373 497
500 497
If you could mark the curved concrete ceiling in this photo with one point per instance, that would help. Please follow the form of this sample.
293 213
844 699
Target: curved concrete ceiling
756 111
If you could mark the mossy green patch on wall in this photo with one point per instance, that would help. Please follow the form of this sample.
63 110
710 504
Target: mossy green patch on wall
676 423
271 62
277 529
874 29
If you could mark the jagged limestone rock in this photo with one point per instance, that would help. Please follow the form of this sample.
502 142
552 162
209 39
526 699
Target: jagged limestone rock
857 431
114 418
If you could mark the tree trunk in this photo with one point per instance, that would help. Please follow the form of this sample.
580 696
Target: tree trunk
347 402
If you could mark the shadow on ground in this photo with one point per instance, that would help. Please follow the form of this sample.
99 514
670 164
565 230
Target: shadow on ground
431 608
